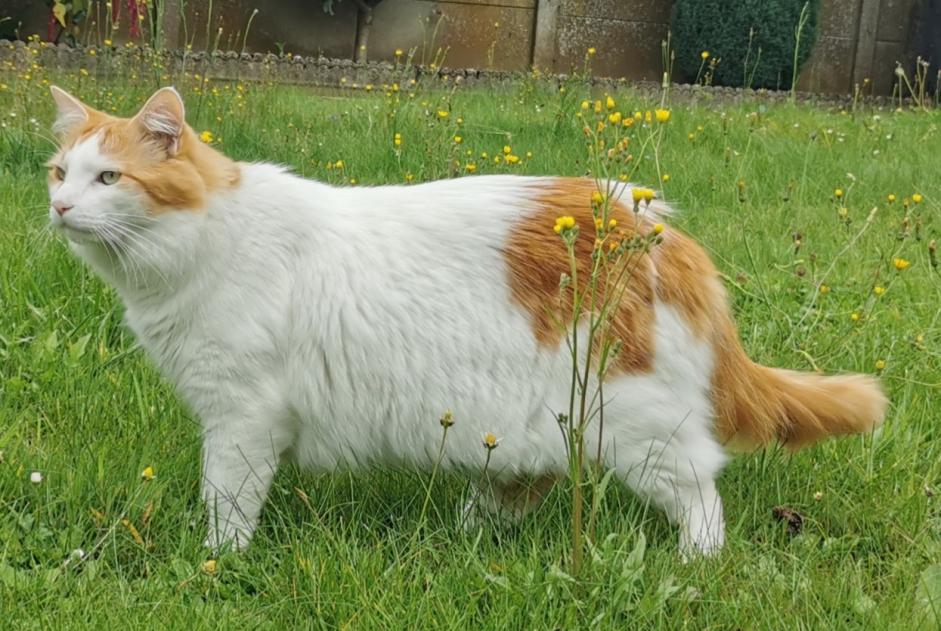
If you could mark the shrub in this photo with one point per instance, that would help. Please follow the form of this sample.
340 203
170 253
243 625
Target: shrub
734 31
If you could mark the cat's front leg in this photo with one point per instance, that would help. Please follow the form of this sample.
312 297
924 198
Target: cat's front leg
240 458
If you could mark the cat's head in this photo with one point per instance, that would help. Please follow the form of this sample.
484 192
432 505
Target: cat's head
114 177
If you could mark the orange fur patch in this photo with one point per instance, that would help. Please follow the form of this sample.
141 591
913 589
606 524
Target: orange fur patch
754 404
537 258
180 181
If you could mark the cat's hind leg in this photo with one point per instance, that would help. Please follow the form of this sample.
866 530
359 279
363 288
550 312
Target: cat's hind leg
507 501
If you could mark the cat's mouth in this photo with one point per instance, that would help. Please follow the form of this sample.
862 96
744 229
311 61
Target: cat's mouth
78 234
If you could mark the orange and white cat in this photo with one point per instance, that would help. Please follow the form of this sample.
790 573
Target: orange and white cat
334 326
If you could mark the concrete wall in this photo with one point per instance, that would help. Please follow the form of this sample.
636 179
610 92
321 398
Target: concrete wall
857 39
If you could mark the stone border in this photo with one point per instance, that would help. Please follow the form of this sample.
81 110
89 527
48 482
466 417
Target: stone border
346 74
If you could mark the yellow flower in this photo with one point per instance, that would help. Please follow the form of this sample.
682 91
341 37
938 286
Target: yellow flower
612 224
609 103
662 116
442 114
838 193
666 177
592 51
641 194
409 177
880 364
878 290
917 198
397 140
648 117
638 115
585 105
512 159
490 441
206 136
447 419
83 72
507 150
398 52
565 222
854 317
824 290
529 155
900 263
627 122
107 42
704 55
690 136
470 167
891 198
597 198
597 107
147 474
614 118
338 164
657 228
458 140
209 567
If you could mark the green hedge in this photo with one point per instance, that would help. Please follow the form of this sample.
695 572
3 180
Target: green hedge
722 27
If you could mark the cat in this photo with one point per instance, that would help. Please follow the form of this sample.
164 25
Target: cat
334 325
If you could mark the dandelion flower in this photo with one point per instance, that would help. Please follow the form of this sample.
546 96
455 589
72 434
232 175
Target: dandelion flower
880 364
458 140
209 567
614 118
854 317
824 289
597 198
662 115
917 198
592 51
398 52
704 55
900 263
666 177
443 114
490 441
612 224
838 193
512 159
565 222
891 198
206 136
585 105
447 419
878 290
657 228
609 103
470 167
641 194
147 474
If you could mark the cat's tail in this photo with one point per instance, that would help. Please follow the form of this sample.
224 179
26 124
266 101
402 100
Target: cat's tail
758 404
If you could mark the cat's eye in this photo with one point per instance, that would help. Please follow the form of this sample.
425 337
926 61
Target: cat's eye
59 173
109 177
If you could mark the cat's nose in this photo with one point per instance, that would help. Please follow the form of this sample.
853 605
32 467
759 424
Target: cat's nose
61 207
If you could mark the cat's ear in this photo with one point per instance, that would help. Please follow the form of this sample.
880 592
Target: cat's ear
71 111
164 118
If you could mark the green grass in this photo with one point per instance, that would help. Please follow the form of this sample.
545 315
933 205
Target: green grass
82 405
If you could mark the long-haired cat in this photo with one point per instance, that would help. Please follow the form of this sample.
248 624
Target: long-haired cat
334 326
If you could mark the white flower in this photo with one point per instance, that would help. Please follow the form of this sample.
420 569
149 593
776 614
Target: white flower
35 477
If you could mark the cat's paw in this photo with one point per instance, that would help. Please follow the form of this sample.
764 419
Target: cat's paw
227 540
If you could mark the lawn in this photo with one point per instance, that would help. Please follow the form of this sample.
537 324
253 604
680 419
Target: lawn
815 282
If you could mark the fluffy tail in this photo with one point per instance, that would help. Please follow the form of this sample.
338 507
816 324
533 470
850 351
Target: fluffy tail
758 404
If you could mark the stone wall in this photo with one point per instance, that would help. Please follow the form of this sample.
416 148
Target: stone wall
857 39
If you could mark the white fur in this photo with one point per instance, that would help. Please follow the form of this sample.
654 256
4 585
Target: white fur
335 326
